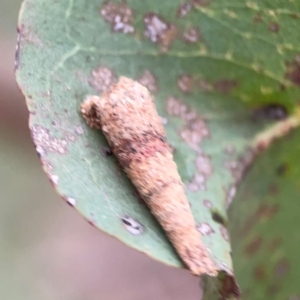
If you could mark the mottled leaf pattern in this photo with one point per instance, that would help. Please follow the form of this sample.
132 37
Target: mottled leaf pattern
221 73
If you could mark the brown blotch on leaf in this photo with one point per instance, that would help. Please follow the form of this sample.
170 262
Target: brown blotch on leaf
71 137
224 233
282 169
293 70
148 80
119 15
258 18
204 170
102 78
194 129
28 35
193 132
267 211
128 118
201 2
259 272
249 224
45 142
238 167
159 31
183 9
281 268
79 130
253 246
205 229
186 83
274 27
207 203
225 86
233 167
192 35
230 194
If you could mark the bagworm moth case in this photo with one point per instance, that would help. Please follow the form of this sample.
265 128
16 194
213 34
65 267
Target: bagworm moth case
128 118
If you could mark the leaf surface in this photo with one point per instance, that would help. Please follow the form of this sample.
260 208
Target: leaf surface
264 221
221 74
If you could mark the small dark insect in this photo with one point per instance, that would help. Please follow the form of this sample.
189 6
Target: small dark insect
106 151
282 169
270 112
218 218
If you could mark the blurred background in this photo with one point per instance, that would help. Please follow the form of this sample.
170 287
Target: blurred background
47 250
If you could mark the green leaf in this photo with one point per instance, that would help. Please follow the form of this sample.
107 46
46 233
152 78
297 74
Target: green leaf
220 74
264 221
